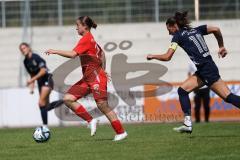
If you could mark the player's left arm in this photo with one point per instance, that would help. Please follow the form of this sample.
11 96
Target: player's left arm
218 35
41 73
103 59
166 56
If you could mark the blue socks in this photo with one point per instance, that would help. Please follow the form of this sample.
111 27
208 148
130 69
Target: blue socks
186 104
184 101
54 104
233 99
44 114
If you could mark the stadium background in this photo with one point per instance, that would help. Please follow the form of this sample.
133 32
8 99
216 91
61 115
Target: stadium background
51 24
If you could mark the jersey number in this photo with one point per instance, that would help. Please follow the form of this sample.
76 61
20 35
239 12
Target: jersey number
199 42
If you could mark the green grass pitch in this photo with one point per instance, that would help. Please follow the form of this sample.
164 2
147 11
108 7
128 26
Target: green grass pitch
213 141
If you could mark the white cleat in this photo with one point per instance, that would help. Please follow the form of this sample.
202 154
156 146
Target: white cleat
93 126
119 137
183 129
186 127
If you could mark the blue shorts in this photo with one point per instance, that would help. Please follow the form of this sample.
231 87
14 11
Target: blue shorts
208 72
46 80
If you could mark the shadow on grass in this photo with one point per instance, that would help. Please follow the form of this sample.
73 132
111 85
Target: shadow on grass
214 136
103 139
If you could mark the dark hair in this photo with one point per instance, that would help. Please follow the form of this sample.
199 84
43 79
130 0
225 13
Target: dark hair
182 19
25 44
171 21
87 21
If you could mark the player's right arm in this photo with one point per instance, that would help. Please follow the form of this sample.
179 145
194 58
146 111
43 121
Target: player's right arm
171 50
67 54
166 56
31 86
162 57
80 48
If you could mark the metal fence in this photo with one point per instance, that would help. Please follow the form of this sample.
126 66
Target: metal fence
64 12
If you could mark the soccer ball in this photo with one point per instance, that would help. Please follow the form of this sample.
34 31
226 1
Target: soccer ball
41 134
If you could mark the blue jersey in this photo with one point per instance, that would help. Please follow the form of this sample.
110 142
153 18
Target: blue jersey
34 64
193 43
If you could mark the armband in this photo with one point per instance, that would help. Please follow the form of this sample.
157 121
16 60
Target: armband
173 46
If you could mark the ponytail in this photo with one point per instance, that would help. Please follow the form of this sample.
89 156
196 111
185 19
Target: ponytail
182 19
87 21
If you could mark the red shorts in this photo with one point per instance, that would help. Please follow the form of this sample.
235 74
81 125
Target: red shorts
97 86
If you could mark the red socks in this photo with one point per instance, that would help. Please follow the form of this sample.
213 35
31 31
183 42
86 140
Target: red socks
117 126
82 112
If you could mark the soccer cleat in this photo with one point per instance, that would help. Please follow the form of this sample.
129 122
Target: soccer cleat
187 121
93 126
183 129
186 127
120 137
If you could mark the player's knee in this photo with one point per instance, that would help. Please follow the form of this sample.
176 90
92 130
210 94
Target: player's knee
103 106
101 103
68 99
42 103
182 92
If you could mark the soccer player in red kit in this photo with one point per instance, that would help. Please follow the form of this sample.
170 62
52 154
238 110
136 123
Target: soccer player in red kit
94 78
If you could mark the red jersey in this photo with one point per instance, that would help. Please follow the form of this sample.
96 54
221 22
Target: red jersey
90 55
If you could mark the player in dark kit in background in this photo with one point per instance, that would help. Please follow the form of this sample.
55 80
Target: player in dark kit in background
201 96
193 43
37 69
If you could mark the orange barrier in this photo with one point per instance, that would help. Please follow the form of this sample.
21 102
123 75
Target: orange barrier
166 108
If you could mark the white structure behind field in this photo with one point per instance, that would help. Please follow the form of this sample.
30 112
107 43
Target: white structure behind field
146 38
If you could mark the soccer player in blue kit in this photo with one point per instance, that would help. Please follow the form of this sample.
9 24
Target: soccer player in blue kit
38 71
192 41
